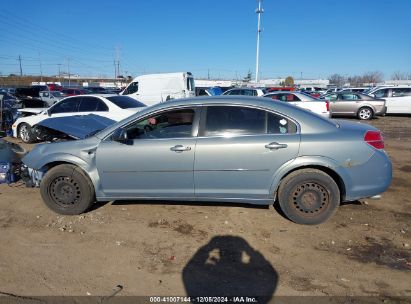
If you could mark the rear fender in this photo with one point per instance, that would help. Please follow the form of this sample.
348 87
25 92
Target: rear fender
305 162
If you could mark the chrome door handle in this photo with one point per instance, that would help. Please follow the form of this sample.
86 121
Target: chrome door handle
275 146
180 148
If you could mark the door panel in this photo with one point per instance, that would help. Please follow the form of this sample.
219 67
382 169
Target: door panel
240 167
146 168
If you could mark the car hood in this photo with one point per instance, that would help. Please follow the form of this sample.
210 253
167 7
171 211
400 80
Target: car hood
77 126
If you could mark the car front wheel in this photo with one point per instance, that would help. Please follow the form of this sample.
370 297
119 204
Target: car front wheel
365 113
66 189
308 196
26 133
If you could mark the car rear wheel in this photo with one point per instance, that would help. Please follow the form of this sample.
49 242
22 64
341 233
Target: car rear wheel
308 196
66 189
26 133
365 113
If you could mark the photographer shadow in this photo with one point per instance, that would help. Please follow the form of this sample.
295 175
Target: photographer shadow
228 266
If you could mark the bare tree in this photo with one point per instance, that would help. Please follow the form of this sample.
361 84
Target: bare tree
400 76
337 80
372 77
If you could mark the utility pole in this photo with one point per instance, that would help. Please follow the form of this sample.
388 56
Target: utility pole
21 70
68 68
41 69
59 65
259 11
117 63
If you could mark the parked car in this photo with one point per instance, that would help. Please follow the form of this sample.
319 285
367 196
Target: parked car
397 98
74 92
304 101
354 89
29 92
355 104
54 87
246 91
209 91
220 149
275 89
51 97
154 88
110 106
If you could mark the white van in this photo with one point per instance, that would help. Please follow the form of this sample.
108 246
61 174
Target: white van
154 88
397 98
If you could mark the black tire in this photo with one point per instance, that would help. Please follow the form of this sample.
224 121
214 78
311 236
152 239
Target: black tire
26 134
365 113
308 196
66 189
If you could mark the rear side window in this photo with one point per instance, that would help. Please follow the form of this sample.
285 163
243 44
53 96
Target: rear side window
349 96
125 102
92 104
398 92
226 120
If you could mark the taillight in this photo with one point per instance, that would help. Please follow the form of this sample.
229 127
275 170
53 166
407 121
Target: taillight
374 138
327 105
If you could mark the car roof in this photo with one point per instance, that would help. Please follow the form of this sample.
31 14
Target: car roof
308 119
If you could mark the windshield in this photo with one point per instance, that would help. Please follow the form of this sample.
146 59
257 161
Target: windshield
125 102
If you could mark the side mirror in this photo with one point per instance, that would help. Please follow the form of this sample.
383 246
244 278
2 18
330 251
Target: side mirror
120 135
48 112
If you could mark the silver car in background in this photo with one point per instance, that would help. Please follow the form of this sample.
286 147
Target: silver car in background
222 149
358 105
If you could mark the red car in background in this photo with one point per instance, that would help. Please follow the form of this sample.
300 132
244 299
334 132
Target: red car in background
54 87
73 92
276 89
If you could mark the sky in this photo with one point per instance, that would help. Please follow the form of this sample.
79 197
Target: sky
210 38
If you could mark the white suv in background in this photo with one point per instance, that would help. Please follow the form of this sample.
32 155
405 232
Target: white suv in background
397 98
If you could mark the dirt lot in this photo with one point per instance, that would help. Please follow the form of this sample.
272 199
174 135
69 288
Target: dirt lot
185 249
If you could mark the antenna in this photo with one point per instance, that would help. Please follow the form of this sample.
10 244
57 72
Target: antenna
259 11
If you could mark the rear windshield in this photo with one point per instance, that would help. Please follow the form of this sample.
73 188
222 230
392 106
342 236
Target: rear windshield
125 102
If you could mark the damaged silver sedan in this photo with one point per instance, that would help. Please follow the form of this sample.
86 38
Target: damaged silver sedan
222 149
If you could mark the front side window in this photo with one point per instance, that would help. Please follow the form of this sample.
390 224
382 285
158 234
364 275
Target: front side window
132 88
68 105
228 121
171 124
190 84
92 104
381 93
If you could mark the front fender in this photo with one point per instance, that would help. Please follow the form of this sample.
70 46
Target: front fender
43 164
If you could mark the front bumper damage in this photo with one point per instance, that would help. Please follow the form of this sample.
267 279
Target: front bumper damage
31 177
